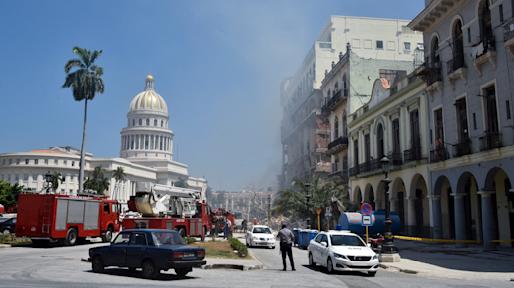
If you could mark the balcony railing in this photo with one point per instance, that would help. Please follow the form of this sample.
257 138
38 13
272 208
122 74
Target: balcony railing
431 72
354 171
412 154
339 141
439 154
456 63
487 44
332 102
396 158
462 148
490 140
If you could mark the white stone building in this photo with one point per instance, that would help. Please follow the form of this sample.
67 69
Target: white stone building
146 155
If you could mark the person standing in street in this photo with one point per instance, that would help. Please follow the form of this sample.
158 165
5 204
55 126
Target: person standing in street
286 238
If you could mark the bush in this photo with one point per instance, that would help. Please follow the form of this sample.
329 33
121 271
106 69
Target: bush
189 240
242 251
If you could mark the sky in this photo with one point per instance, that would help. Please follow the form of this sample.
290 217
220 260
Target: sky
217 63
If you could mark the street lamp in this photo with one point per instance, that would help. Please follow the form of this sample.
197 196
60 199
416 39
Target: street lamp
388 246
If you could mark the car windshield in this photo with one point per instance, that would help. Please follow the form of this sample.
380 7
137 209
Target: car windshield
167 238
261 230
2 220
346 240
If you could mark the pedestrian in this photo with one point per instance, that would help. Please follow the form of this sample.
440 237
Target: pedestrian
225 229
243 225
286 238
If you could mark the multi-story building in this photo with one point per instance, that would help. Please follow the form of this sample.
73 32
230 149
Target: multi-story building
146 155
469 74
304 131
394 123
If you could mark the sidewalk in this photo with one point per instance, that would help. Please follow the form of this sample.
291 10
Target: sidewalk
238 264
448 261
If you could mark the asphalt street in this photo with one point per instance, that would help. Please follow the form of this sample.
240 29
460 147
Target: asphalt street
62 267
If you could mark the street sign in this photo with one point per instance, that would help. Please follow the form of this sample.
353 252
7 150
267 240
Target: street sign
366 209
366 220
328 212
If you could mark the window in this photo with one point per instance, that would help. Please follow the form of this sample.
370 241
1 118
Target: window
396 136
380 44
27 161
147 122
36 161
469 35
336 128
345 86
65 162
439 129
106 208
491 110
380 141
500 8
138 239
162 123
72 163
56 162
122 238
462 120
133 122
367 44
140 122
406 46
346 240
475 121
355 153
457 47
155 122
367 148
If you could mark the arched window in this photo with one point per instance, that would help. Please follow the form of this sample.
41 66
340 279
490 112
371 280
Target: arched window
345 87
336 128
140 122
434 51
457 47
155 122
486 28
345 130
147 122
380 141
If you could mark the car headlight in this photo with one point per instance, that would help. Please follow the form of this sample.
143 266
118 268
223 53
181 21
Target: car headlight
375 257
255 238
340 256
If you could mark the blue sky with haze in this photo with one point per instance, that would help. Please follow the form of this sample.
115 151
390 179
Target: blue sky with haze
218 64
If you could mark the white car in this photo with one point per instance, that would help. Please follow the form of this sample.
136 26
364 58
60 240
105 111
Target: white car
260 235
342 251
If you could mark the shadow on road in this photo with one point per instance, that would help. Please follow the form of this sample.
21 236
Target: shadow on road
138 274
55 244
349 273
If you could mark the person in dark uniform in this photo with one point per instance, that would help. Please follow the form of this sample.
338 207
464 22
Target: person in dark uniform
286 238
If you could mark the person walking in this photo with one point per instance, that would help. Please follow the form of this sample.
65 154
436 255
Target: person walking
286 238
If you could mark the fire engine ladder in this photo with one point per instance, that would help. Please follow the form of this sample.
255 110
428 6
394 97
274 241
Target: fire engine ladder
45 217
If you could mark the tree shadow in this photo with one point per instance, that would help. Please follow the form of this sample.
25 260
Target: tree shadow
138 274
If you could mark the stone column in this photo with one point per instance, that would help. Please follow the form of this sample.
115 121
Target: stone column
436 217
411 215
460 217
487 218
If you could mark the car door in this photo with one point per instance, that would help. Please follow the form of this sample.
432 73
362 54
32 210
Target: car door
136 249
116 254
315 248
249 236
325 250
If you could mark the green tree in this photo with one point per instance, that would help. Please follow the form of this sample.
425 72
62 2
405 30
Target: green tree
97 182
84 78
9 193
55 180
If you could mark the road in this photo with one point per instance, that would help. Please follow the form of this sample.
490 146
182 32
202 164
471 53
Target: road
62 267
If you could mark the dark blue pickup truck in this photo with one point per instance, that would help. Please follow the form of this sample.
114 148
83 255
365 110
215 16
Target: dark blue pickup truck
152 250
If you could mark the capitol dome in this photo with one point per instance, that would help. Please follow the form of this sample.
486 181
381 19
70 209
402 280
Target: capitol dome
148 100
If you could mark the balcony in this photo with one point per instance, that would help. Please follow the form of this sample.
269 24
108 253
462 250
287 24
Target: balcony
462 148
484 52
430 72
396 158
370 166
337 145
354 171
490 140
333 101
412 154
456 68
439 154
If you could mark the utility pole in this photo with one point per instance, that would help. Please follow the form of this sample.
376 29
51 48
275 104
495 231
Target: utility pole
269 210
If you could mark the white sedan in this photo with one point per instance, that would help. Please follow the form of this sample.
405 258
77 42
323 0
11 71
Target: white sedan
342 251
260 235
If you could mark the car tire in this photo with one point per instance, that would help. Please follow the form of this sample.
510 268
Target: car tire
6 231
71 237
132 269
97 264
330 266
107 237
311 260
273 247
182 272
149 270
372 273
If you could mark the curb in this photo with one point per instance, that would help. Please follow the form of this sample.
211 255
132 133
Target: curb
407 271
233 266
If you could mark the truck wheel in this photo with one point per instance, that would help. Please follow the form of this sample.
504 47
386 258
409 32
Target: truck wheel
149 270
107 237
181 272
97 264
71 237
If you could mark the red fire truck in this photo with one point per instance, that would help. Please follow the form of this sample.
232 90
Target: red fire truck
168 207
66 218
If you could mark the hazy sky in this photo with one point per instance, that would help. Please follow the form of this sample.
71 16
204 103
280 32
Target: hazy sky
218 64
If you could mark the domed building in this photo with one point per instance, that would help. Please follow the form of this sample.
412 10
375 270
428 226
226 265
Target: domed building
146 155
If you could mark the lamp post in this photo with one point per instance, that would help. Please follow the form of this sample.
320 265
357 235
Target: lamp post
388 246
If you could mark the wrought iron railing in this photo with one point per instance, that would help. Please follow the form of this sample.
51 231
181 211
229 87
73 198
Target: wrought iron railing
490 140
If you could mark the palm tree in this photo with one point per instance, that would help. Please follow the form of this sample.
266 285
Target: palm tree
97 181
119 176
84 77
55 180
